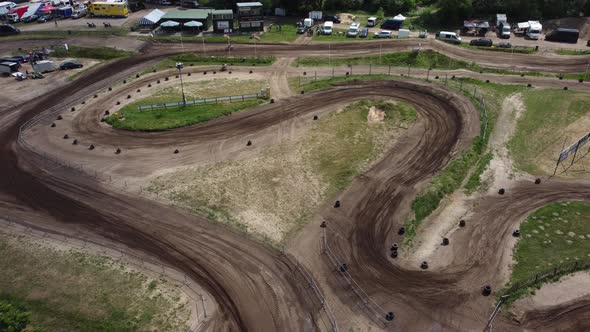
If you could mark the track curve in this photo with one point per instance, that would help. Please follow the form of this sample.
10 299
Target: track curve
253 273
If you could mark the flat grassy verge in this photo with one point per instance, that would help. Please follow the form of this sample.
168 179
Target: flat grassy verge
130 118
71 291
422 59
100 53
310 84
572 52
550 116
474 181
552 238
59 34
515 49
195 60
287 34
275 192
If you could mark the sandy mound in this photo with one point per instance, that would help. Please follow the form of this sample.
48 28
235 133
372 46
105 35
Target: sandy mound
375 115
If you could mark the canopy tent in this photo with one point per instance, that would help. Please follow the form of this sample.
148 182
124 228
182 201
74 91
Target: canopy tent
169 24
47 8
152 18
524 25
193 24
32 10
399 17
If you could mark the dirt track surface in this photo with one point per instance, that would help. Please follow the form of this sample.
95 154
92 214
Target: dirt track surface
258 288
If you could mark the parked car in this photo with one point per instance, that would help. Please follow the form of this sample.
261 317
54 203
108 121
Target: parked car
588 43
563 35
44 19
382 34
504 45
12 60
481 42
301 30
31 18
7 29
364 33
70 65
331 18
165 3
190 4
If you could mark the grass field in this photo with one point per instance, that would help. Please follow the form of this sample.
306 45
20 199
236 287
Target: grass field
573 52
552 237
100 53
130 118
422 59
288 33
154 120
70 291
277 191
515 49
550 116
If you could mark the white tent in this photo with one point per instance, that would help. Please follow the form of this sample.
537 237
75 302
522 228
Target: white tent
152 18
169 24
399 17
193 24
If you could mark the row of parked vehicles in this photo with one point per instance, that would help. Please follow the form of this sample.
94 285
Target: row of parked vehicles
12 65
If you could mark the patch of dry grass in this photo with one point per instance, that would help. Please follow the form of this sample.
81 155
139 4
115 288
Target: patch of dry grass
277 191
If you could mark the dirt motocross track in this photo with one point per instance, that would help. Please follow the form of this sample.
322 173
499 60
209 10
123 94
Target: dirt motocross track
258 288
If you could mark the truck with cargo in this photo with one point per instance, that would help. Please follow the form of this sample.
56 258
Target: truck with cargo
563 35
65 12
44 66
534 30
109 9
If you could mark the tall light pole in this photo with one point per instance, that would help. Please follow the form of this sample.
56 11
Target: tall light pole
179 66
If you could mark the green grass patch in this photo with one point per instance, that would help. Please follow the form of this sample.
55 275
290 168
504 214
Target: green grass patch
70 291
422 59
515 49
130 118
555 240
474 181
539 132
60 34
573 52
195 60
309 84
100 53
287 34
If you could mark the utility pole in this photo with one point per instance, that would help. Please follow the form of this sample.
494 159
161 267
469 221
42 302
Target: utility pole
179 66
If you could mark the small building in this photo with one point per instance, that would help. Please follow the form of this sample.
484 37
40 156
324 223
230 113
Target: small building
186 15
223 20
250 16
150 20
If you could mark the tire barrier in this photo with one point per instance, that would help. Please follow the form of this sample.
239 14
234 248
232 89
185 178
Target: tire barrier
229 72
149 85
304 73
204 73
537 181
560 77
390 316
272 101
394 247
128 96
323 224
118 151
176 151
137 76
214 73
565 87
59 117
250 72
502 191
436 77
424 265
118 103
124 81
158 82
461 223
103 120
110 89
249 143
394 254
487 290
138 90
91 147
95 96
516 233
529 85
445 242
188 74
315 117
453 77
83 102
401 231
487 81
337 204
53 125
73 109
165 78
302 92
66 136
75 142
521 75
107 112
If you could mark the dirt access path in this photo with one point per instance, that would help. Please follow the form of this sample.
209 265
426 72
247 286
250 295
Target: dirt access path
279 84
259 288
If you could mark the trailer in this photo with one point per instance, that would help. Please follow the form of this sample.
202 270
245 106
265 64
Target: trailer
65 12
109 9
7 68
475 28
44 66
403 33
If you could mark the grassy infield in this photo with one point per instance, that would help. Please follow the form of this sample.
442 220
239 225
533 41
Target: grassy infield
70 291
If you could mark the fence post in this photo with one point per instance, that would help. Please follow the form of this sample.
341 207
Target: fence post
370 69
315 76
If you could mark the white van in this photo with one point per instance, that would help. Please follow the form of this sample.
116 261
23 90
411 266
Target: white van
327 28
80 12
372 21
449 37
353 30
534 31
8 5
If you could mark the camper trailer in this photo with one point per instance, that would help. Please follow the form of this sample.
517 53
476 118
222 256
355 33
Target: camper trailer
327 28
353 30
